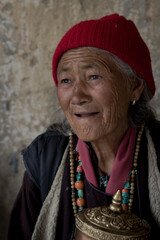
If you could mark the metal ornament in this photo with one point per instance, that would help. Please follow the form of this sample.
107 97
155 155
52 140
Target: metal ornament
133 102
106 223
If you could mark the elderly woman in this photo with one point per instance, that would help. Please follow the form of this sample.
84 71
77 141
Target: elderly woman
102 70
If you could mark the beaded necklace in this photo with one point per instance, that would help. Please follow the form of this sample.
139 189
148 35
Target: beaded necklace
129 187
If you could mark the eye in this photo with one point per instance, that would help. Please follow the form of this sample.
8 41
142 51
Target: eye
65 81
94 77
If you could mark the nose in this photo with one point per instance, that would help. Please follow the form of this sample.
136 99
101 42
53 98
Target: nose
80 94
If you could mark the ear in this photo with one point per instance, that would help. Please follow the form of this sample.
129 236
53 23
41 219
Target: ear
137 91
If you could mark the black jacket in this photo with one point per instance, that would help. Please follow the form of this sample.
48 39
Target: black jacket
42 159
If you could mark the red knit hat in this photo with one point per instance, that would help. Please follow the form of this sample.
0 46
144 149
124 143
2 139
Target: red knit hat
114 34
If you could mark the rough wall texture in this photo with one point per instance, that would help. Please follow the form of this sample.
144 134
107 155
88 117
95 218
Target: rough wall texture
30 31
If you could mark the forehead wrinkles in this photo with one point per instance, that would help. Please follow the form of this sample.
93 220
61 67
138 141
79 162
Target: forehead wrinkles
85 59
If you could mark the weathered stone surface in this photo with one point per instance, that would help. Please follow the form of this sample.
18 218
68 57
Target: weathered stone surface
30 31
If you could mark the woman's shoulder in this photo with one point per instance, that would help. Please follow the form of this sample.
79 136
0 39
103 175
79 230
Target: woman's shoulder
42 157
154 128
44 141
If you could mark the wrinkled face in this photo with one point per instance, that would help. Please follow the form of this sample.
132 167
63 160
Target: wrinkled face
92 93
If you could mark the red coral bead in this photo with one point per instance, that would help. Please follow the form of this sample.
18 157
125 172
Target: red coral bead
80 202
79 169
128 179
124 207
125 190
79 185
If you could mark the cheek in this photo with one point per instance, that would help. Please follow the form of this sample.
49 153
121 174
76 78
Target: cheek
63 98
115 104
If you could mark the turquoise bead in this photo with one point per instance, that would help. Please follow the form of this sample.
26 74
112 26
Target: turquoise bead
125 198
80 163
80 193
127 185
79 176
80 209
125 201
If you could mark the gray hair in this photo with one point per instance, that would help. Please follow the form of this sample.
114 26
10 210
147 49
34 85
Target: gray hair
141 112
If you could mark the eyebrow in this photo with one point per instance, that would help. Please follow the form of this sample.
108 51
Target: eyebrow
89 65
84 66
63 69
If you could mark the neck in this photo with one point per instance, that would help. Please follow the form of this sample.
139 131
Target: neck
106 150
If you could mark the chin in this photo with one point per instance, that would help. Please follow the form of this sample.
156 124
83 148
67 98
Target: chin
86 134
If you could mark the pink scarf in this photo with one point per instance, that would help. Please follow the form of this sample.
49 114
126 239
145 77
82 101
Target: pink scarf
121 167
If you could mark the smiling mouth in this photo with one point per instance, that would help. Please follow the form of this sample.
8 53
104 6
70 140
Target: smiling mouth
85 115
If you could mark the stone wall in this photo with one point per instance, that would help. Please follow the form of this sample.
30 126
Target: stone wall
30 31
